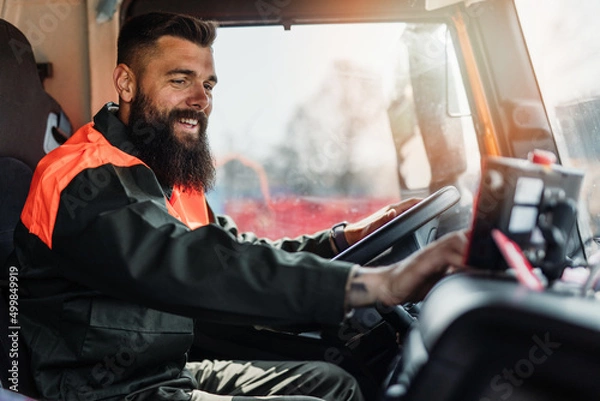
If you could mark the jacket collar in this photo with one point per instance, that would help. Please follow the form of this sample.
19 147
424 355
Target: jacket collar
113 129
117 133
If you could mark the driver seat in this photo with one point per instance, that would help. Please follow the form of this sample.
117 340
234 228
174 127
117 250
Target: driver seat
32 123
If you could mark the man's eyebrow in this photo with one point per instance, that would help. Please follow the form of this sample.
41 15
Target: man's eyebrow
181 71
193 73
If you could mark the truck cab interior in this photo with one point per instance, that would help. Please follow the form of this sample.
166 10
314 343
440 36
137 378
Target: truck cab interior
327 110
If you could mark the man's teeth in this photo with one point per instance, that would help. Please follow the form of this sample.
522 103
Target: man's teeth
189 121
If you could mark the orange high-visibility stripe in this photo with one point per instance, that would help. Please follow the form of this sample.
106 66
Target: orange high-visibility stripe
86 149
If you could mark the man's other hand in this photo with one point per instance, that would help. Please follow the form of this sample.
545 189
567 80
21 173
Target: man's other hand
410 279
354 232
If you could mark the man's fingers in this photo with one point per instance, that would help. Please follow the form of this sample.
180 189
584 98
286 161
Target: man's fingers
354 232
412 278
404 205
459 246
392 211
387 217
436 258
455 269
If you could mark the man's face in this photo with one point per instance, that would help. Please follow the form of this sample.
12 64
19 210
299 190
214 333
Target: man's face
178 79
172 102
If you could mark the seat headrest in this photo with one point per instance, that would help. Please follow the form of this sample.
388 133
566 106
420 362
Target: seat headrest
26 110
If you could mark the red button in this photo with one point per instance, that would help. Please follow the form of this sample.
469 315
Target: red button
543 157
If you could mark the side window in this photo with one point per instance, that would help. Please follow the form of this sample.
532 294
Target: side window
566 60
320 124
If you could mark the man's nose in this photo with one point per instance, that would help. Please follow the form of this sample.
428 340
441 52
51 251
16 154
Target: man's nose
200 98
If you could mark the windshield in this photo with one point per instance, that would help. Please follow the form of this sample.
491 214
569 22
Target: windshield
562 37
319 124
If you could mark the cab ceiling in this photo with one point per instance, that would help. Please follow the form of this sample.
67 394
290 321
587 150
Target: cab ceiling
287 12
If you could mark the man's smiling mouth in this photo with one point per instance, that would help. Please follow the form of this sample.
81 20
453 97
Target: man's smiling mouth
189 122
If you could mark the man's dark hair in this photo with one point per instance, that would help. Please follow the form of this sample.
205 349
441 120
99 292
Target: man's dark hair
139 35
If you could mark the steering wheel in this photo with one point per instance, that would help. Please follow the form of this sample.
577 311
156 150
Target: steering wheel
394 233
401 226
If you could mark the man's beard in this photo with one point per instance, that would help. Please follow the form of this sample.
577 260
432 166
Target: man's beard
175 163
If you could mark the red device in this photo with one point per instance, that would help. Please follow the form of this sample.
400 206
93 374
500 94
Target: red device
517 261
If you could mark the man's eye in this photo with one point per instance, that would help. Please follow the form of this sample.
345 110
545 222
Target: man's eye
178 81
208 87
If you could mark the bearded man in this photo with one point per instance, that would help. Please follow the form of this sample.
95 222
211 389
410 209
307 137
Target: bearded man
119 251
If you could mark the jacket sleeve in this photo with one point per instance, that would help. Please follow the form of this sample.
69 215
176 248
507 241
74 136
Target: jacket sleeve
118 238
317 243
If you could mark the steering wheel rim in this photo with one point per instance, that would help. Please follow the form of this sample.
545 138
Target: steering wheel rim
401 226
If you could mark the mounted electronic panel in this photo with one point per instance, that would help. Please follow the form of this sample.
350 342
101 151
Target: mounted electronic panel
532 203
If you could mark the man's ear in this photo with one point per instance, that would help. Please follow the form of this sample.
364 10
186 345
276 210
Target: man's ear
124 81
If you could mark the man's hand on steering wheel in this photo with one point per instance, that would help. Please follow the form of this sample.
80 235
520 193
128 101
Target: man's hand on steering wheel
410 279
354 232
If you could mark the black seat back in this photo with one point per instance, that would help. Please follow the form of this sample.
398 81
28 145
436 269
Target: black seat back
31 124
31 121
